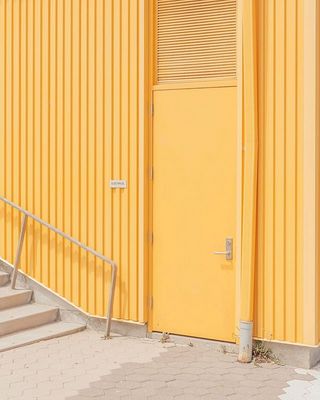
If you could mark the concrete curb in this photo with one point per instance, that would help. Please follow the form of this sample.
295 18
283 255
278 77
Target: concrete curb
294 354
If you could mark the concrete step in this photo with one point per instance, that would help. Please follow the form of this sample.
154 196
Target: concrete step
4 278
27 316
12 298
44 332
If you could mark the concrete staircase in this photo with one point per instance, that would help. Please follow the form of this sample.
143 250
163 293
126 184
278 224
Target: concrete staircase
24 322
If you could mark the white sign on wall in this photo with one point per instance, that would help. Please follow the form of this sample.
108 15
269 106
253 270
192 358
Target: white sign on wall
118 184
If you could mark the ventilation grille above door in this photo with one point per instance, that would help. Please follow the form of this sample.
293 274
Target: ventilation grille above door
196 40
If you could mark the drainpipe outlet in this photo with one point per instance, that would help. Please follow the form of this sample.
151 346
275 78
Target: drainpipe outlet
245 346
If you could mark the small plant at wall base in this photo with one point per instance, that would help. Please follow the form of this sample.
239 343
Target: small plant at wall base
165 338
261 354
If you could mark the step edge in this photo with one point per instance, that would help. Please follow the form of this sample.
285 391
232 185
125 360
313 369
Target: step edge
69 331
29 315
9 326
44 307
12 292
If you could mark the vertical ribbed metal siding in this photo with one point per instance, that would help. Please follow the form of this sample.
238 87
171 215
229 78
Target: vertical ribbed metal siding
70 95
278 300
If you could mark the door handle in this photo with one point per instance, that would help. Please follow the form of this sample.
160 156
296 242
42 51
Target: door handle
229 250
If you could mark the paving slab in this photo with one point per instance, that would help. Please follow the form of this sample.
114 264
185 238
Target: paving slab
84 366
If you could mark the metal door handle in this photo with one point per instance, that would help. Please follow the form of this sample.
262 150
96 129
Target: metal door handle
229 250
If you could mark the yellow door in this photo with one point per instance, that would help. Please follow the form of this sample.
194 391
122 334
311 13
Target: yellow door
194 198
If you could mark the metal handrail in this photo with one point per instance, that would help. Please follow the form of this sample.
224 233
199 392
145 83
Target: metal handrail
72 240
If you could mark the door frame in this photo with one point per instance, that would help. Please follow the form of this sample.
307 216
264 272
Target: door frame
151 87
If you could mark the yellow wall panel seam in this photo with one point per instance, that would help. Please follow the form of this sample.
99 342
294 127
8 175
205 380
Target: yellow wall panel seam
48 154
299 163
318 159
259 285
310 288
72 197
279 169
143 115
291 132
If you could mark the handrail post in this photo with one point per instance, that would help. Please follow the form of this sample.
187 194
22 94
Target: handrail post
18 253
111 298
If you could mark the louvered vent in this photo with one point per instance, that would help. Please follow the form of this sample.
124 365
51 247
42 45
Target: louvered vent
196 40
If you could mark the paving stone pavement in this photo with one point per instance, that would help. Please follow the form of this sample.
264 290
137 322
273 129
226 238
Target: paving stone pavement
83 366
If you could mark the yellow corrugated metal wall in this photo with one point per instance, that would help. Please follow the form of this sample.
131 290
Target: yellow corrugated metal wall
71 119
278 288
72 115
